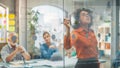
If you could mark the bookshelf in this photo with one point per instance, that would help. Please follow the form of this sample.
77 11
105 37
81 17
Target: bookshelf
104 38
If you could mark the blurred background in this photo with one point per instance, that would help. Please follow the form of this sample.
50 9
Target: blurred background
30 18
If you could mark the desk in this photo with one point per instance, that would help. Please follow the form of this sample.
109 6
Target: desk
70 62
39 63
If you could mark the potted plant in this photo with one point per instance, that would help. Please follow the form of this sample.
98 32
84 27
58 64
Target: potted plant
32 23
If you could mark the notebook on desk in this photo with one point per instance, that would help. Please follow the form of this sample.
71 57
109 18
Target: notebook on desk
21 62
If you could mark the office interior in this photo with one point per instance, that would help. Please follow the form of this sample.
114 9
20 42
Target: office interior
30 18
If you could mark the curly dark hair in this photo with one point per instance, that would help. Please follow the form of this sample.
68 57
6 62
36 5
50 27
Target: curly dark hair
77 17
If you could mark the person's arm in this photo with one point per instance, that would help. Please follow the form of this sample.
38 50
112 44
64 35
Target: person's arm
11 56
67 43
70 40
6 55
24 53
44 53
52 48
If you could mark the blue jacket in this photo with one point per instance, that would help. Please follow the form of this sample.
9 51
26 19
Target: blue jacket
47 52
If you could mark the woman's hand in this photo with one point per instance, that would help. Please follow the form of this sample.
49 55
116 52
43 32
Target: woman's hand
52 46
67 23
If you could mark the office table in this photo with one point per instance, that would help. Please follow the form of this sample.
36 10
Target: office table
40 63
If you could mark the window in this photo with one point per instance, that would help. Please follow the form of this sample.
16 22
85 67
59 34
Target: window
3 23
50 19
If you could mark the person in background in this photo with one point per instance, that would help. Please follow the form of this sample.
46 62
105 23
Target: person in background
83 39
71 52
48 48
12 51
109 38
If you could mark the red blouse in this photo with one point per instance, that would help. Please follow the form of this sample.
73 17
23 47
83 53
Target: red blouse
84 42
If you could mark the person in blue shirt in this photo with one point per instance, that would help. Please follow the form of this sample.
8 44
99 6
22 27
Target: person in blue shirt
48 48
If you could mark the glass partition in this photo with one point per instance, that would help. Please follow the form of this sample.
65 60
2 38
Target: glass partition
64 33
101 25
45 30
50 16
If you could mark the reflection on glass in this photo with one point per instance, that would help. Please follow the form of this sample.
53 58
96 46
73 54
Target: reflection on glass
50 19
47 22
82 39
101 26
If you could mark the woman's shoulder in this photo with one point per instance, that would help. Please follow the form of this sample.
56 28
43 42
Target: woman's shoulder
91 30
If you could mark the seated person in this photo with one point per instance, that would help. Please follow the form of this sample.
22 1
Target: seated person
12 51
48 48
